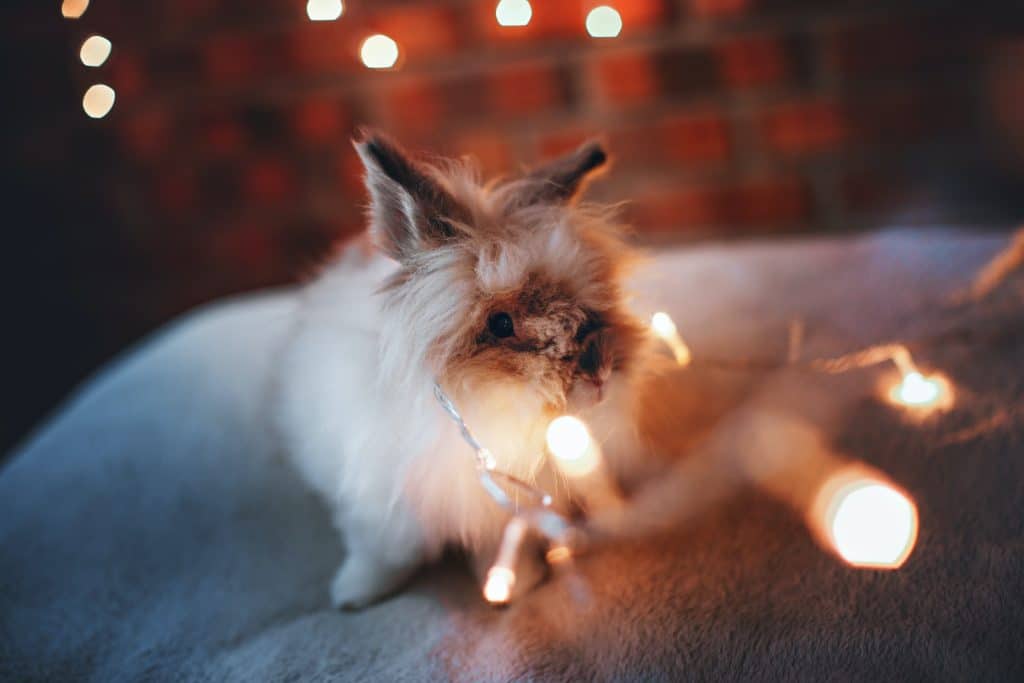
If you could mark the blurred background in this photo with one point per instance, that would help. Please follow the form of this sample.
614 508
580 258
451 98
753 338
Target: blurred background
199 148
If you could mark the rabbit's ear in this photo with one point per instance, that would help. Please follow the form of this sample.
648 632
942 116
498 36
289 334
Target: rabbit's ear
410 210
562 180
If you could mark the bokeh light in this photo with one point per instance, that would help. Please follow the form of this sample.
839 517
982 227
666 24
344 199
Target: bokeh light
95 51
604 22
666 330
324 10
498 587
571 445
919 391
379 52
73 9
870 523
513 12
98 100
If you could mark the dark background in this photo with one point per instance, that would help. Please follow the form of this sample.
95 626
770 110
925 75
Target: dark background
225 163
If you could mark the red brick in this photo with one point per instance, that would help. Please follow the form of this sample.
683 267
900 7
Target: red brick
414 106
314 46
268 181
421 31
489 148
525 90
688 138
626 77
229 59
176 191
319 121
805 127
899 47
223 136
752 61
748 204
146 134
718 8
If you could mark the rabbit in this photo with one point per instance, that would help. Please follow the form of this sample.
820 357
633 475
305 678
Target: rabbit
510 295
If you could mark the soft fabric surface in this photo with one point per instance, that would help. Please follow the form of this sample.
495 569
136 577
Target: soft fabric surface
149 531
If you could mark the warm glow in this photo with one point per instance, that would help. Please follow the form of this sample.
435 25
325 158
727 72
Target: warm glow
665 329
604 22
513 12
95 51
379 52
871 524
324 10
918 390
570 443
72 9
98 101
498 587
558 554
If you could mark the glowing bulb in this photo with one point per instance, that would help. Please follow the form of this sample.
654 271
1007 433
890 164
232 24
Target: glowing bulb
872 524
513 12
498 587
98 101
604 22
73 9
571 445
558 554
379 52
324 10
665 329
918 390
95 51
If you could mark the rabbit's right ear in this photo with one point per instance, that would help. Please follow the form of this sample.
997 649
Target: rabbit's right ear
410 209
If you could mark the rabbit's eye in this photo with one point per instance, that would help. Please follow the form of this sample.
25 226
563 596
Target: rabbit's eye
500 325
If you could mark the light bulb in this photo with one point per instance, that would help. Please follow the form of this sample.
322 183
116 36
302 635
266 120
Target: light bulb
379 52
98 101
73 9
871 524
498 587
324 10
571 445
95 51
513 12
604 22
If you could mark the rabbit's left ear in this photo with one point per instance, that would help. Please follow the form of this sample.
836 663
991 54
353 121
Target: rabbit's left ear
563 179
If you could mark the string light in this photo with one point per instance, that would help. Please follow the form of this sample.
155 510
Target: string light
868 522
916 390
73 9
604 22
98 100
501 577
95 51
666 330
379 52
513 12
324 10
569 441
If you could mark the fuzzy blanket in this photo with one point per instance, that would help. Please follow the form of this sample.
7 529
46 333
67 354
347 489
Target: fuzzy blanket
149 532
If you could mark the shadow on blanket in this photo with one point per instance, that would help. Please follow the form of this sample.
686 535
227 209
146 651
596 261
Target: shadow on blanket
148 532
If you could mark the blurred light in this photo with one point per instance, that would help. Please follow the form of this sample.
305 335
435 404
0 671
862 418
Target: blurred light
498 587
604 22
379 52
918 390
513 12
98 101
558 554
95 51
570 443
665 329
324 10
871 524
73 9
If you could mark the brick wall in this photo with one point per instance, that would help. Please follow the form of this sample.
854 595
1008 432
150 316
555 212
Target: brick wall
727 117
